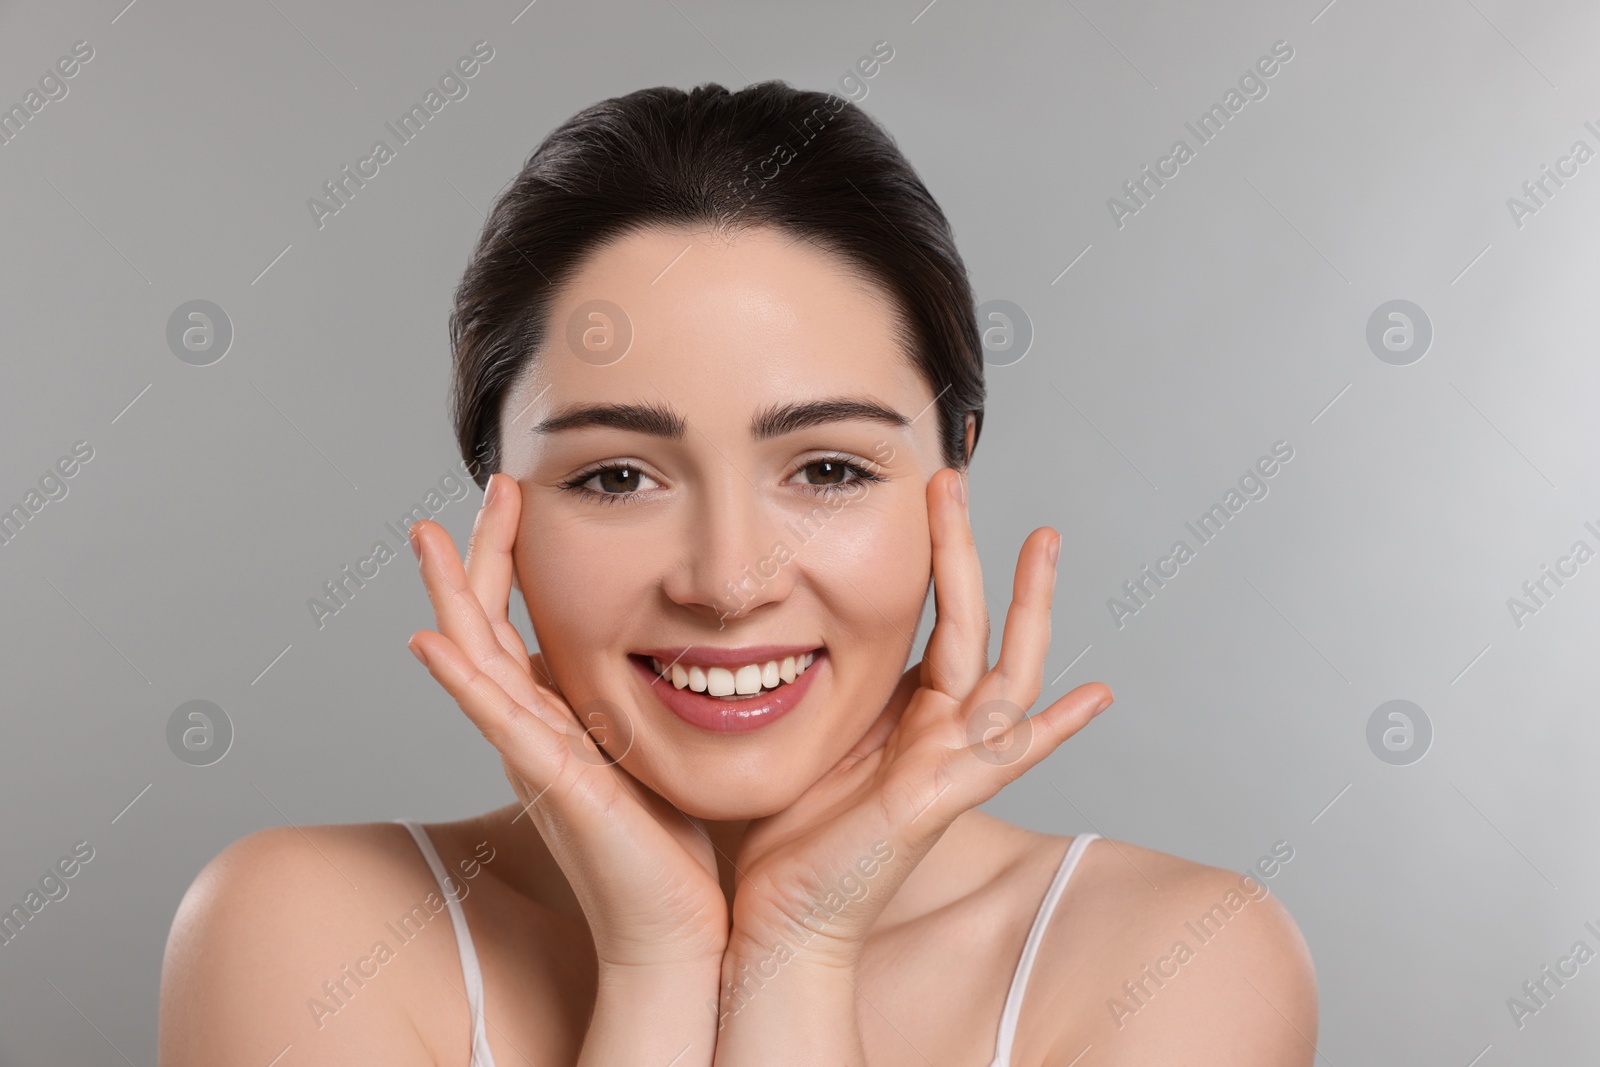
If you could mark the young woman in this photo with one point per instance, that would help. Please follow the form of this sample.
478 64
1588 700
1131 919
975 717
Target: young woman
718 365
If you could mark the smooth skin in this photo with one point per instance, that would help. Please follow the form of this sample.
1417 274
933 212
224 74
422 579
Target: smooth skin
611 918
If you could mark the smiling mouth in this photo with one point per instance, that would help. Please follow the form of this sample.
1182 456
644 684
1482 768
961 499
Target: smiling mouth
732 683
672 683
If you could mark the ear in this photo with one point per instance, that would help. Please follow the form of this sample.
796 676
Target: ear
972 425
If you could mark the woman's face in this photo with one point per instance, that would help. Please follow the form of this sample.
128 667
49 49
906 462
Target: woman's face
699 497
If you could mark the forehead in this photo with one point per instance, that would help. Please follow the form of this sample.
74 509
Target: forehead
738 320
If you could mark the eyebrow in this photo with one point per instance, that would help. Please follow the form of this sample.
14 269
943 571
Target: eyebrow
660 420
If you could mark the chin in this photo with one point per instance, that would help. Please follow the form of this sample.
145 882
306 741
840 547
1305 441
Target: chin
728 790
718 809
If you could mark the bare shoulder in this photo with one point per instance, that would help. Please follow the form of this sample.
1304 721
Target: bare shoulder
318 938
1153 958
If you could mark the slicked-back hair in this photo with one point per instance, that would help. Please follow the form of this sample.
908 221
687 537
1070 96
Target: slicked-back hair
811 164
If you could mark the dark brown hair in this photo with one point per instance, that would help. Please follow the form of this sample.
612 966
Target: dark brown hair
811 164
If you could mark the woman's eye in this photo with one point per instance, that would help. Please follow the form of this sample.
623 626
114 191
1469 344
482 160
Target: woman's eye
619 480
825 474
828 472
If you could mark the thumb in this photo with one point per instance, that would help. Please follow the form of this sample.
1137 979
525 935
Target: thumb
542 675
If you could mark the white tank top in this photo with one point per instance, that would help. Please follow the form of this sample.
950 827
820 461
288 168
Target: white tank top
470 972
473 976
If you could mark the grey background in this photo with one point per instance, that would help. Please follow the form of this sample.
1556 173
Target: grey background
1228 314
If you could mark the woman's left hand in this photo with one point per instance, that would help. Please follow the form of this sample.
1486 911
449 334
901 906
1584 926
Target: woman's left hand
954 733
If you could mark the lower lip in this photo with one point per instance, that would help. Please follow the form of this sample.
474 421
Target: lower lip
728 716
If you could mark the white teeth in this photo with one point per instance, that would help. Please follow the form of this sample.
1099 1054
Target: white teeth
746 680
719 682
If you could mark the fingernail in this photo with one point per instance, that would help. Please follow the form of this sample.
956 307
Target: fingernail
1104 704
411 537
417 652
1054 551
958 489
488 496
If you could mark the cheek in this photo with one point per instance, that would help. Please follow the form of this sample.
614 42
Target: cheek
573 578
876 563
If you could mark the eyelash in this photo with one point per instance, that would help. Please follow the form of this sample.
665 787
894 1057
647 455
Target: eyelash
576 482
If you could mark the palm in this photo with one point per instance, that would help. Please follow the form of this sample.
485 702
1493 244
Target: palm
606 790
878 792
643 871
950 737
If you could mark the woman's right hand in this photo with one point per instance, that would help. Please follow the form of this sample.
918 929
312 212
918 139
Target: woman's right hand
643 871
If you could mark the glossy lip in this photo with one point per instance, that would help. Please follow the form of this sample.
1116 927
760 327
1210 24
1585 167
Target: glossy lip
716 715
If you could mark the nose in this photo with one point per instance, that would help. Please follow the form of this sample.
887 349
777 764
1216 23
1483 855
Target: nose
733 556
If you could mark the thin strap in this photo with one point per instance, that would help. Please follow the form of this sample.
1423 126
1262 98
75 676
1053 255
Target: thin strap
471 974
1019 981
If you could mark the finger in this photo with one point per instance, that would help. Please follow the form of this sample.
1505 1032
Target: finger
459 613
1067 715
957 655
558 704
1007 754
489 564
532 737
1018 674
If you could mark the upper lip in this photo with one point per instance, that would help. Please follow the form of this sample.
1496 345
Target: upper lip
708 656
